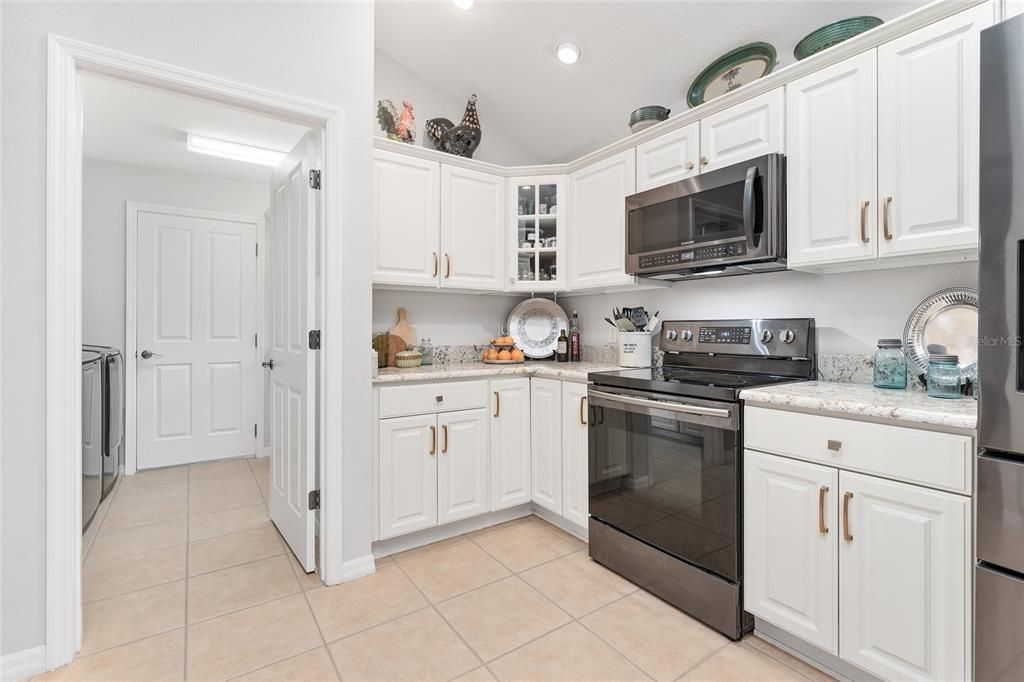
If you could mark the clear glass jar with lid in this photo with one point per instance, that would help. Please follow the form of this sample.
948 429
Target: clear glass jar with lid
944 376
427 350
890 364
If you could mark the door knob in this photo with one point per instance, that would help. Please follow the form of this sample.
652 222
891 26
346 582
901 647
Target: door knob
147 354
269 364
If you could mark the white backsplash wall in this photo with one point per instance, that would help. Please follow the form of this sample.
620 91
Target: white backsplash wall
447 318
852 310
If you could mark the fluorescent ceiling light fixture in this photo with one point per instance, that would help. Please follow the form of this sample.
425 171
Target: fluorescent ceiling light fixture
568 53
234 151
464 4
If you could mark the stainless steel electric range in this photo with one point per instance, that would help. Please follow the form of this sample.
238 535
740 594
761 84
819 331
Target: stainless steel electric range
666 460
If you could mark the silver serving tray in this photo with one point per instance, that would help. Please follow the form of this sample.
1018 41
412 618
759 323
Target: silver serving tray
948 317
535 325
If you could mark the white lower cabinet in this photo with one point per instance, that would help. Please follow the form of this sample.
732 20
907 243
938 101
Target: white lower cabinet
575 464
510 443
463 465
408 474
874 571
546 443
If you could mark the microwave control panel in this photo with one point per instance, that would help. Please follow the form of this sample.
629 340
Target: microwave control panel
699 253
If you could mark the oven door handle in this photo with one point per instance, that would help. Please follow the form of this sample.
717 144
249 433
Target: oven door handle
682 408
749 210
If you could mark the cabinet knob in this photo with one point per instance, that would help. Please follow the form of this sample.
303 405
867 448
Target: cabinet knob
689 165
439 398
703 160
835 445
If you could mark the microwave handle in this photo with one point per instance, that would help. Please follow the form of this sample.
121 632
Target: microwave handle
749 210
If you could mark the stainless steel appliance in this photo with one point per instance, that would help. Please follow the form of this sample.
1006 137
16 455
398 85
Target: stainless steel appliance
666 460
999 575
102 424
730 221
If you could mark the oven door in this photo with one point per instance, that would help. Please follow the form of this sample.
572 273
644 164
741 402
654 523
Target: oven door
666 471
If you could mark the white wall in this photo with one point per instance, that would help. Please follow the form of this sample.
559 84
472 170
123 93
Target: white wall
106 186
394 82
318 51
852 310
446 318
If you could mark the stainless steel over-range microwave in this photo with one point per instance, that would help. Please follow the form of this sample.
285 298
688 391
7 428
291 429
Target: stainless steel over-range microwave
730 221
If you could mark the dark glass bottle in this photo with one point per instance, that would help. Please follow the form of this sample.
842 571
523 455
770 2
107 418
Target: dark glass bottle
574 338
562 354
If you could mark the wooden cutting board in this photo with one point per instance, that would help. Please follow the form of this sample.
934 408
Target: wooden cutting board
403 329
395 345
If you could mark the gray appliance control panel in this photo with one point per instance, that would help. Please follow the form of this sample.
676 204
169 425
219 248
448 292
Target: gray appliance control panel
780 338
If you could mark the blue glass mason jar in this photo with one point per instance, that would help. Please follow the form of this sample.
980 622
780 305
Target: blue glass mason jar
944 376
427 350
890 364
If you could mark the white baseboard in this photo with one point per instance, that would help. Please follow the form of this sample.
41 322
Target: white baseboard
357 568
563 523
23 664
383 548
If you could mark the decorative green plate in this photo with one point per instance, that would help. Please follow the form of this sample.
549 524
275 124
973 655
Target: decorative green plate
734 69
833 34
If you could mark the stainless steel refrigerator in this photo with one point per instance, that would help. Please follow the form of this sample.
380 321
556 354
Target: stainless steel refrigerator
102 425
999 575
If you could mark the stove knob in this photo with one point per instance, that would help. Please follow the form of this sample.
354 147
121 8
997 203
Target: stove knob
671 334
767 336
687 335
788 336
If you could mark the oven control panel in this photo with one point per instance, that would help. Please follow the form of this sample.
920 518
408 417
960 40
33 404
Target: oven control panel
782 338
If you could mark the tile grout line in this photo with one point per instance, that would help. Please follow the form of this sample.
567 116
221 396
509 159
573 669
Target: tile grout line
188 537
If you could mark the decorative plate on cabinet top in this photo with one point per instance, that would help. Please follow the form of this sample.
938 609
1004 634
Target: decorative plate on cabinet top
730 71
833 34
948 318
535 325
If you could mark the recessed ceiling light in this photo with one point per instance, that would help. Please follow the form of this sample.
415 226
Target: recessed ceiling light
464 4
234 150
568 53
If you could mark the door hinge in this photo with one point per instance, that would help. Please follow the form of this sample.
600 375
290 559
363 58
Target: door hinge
314 499
314 339
314 179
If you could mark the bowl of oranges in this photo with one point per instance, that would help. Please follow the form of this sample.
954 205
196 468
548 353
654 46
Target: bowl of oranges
502 351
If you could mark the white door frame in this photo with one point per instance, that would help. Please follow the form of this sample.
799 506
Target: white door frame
66 60
131 346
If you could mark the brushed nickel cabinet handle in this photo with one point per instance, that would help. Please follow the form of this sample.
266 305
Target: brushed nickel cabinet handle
497 404
822 526
444 428
864 221
447 266
847 535
583 407
689 165
435 264
885 219
835 445
433 440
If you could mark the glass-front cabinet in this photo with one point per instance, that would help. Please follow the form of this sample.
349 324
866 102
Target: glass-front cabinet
537 228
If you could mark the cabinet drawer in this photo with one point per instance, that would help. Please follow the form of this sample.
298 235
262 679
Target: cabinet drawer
397 401
942 460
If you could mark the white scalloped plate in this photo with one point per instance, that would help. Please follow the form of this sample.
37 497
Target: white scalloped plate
535 324
948 317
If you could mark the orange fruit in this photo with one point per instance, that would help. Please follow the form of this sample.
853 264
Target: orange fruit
490 354
517 354
504 355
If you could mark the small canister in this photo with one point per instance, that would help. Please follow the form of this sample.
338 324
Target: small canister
944 376
890 364
427 351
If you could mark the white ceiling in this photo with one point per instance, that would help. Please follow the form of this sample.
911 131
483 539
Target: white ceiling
635 53
146 126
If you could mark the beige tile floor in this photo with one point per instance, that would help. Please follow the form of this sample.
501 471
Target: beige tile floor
186 578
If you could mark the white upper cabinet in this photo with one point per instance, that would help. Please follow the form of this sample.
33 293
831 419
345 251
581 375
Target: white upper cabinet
472 222
546 442
743 131
406 197
928 132
670 158
905 583
831 164
790 524
597 211
537 233
463 465
575 467
510 443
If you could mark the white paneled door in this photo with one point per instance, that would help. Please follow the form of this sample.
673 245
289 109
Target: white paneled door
291 314
197 378
463 465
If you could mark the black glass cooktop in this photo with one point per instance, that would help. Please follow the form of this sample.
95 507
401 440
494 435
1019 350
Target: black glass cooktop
721 384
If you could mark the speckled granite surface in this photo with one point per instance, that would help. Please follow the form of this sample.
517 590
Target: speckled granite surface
573 371
864 400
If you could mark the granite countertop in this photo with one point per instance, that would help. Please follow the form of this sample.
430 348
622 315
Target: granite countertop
573 371
866 401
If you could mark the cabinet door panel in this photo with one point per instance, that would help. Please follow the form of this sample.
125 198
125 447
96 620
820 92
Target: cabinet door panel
510 443
546 442
597 247
831 164
472 221
743 131
928 100
672 157
463 465
791 565
406 193
575 469
408 475
905 583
